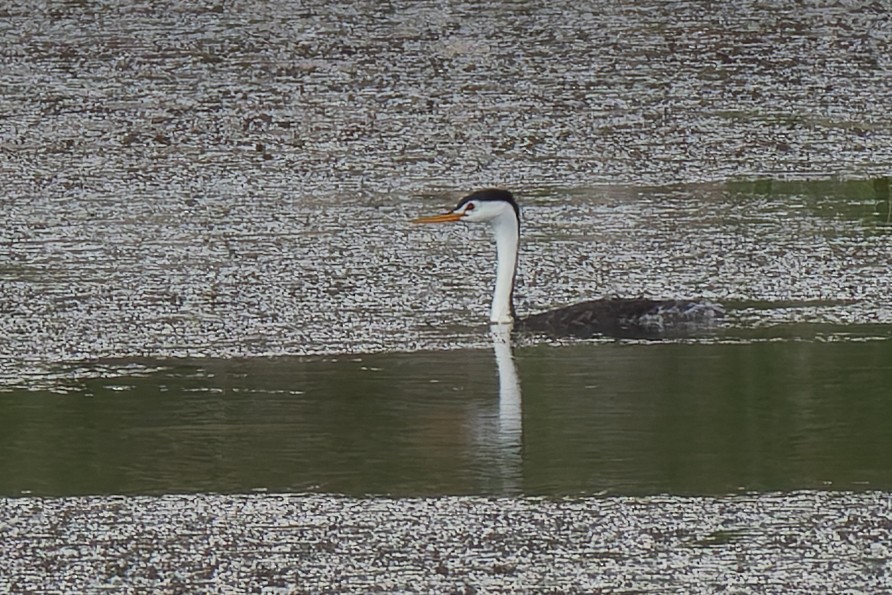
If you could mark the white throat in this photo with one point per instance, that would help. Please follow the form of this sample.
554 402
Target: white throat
505 229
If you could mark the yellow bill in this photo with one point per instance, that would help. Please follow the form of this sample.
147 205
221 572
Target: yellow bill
442 218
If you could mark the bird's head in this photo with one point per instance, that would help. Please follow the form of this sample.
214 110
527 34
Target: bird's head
490 205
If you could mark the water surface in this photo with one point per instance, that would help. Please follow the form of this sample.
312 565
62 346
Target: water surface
307 277
609 418
200 181
208 283
767 543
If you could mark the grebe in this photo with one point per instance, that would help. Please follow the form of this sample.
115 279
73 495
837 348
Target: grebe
622 317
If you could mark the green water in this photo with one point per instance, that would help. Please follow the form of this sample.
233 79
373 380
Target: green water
706 418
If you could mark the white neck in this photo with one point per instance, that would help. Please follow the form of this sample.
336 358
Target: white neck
505 228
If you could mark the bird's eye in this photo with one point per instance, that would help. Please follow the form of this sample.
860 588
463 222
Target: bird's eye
469 207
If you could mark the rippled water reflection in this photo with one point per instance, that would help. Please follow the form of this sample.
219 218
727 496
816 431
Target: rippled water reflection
609 418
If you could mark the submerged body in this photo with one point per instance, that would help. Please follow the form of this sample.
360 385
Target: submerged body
625 317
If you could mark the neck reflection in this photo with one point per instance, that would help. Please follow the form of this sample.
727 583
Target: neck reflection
509 435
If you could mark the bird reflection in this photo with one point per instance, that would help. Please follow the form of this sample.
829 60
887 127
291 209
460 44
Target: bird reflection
510 421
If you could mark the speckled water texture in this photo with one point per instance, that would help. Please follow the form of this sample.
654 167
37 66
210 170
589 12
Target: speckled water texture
186 179
771 543
222 180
